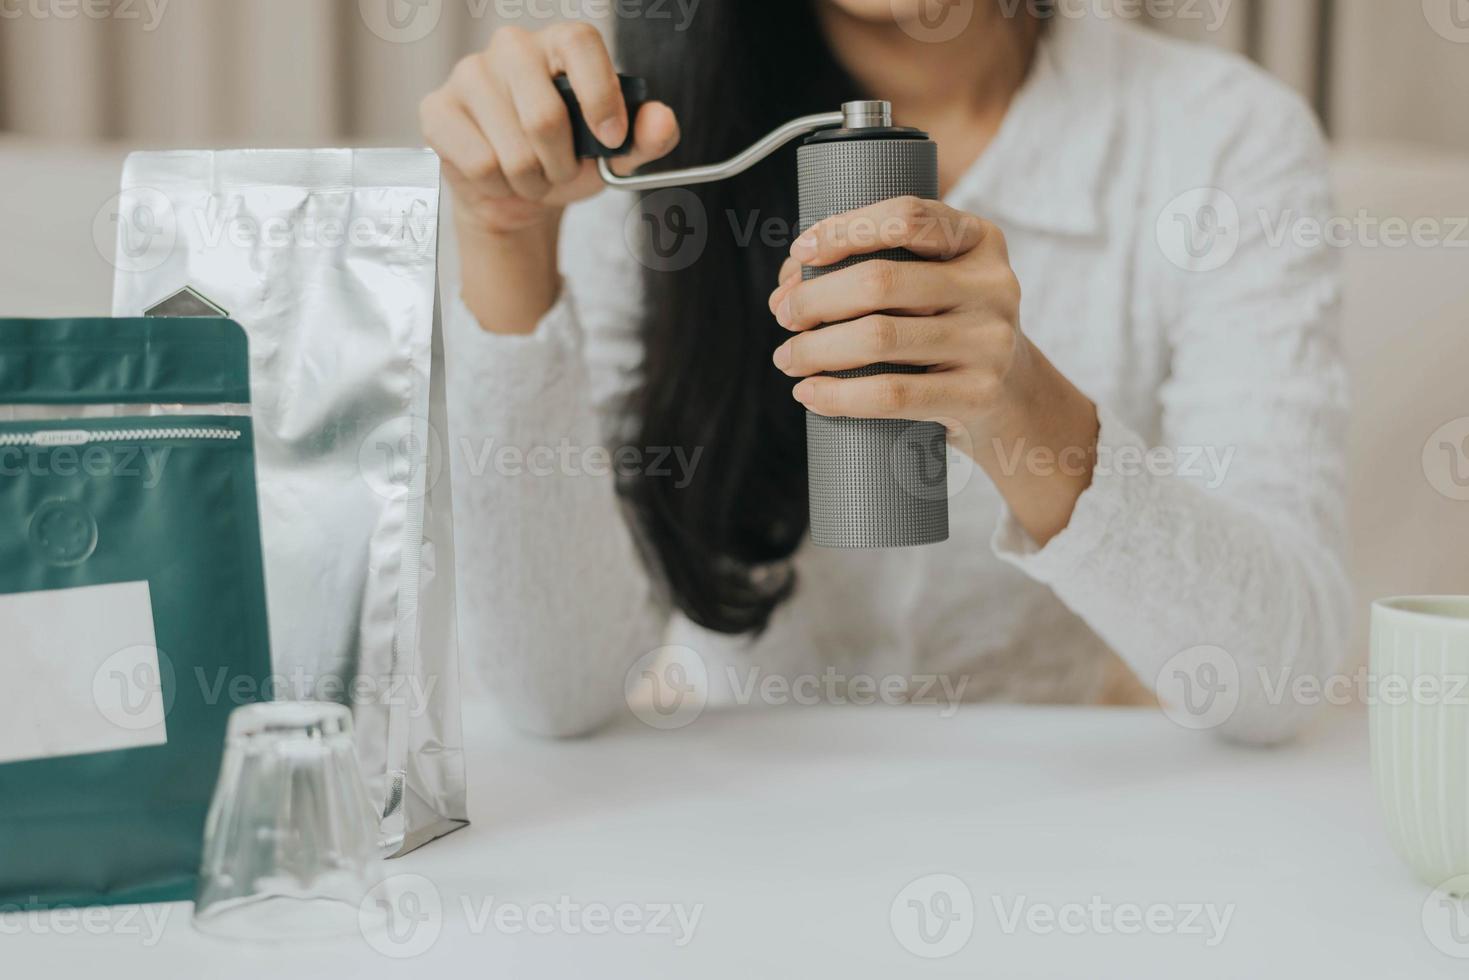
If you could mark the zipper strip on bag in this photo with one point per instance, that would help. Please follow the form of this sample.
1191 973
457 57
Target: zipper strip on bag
82 437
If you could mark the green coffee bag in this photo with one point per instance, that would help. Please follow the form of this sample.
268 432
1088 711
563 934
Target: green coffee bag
132 600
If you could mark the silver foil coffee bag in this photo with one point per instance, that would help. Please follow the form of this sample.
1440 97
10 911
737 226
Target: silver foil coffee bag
328 259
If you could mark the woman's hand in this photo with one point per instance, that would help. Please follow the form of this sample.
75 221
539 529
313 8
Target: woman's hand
504 136
957 314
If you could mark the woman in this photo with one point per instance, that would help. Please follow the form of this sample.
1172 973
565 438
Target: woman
1154 432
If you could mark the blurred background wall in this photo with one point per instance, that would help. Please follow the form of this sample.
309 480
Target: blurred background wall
309 71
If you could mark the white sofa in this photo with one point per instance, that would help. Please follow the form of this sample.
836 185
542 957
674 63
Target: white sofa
1407 338
1407 330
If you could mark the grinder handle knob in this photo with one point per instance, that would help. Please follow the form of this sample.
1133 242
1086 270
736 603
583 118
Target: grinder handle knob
588 147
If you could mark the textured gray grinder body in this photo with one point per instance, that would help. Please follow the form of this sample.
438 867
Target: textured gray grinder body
874 483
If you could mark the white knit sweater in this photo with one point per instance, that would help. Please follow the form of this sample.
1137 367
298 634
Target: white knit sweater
1232 540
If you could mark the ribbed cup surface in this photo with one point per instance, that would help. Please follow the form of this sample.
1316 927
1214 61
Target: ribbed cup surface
1419 719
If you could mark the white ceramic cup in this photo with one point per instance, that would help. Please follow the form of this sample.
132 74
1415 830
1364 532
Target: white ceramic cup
1419 717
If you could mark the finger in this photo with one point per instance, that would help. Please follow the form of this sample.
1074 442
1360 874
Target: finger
655 134
930 229
875 286
790 277
467 191
466 153
542 112
586 183
915 397
577 49
877 339
488 101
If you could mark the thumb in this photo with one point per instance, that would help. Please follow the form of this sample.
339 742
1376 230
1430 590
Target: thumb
655 134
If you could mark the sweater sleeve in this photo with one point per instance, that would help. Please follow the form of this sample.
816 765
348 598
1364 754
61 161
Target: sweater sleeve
1212 560
555 601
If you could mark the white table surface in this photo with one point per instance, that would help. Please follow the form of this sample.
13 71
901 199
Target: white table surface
796 829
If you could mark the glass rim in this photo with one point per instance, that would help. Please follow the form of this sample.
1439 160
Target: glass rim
1446 610
317 719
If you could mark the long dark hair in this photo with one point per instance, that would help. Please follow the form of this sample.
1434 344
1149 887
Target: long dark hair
734 71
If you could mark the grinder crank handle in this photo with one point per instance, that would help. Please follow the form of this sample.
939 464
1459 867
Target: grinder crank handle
635 93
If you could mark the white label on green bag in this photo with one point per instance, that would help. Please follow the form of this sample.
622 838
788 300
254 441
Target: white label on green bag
86 672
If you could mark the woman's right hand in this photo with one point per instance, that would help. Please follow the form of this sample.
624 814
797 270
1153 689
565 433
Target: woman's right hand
504 137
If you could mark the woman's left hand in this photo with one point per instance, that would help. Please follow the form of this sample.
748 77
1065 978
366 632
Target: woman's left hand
958 314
